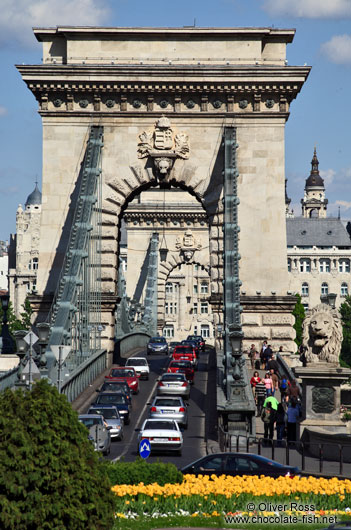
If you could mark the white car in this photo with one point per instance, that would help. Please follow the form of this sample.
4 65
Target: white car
140 366
163 435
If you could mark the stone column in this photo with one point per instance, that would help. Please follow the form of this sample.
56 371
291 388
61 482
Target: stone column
182 304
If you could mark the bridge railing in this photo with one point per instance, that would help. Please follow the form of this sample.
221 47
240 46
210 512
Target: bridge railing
129 343
310 457
84 374
8 379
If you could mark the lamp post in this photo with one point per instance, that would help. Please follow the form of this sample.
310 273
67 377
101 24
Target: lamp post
28 366
7 342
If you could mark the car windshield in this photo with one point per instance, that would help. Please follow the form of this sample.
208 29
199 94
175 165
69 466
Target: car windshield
89 422
167 402
173 377
183 349
120 399
118 372
180 364
158 340
168 425
108 414
115 387
136 362
261 460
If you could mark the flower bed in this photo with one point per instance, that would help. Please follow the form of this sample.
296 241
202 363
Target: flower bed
229 497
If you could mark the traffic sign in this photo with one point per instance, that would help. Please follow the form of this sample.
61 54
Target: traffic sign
31 338
34 368
144 448
64 351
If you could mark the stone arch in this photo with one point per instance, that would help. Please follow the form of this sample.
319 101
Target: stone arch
119 189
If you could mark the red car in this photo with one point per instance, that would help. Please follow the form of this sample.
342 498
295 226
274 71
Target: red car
123 373
183 367
185 353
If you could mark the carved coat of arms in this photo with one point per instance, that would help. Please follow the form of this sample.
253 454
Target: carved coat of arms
163 146
187 245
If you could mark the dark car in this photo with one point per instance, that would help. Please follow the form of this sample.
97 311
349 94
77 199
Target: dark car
199 339
117 386
239 464
157 345
118 399
193 344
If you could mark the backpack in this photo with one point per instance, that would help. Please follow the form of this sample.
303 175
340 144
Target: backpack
284 383
266 415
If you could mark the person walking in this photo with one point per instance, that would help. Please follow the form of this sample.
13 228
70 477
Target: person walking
252 355
275 381
293 416
260 395
254 380
268 383
268 353
268 417
284 383
273 363
281 419
262 357
293 391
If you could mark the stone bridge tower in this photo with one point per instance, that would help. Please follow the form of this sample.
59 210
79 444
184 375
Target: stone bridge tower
163 97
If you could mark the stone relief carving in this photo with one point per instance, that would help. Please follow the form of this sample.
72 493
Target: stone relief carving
187 245
163 146
323 400
322 335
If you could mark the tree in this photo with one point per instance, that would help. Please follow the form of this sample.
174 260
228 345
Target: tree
50 476
345 312
299 314
14 323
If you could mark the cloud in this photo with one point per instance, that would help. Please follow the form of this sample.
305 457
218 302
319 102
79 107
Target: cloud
328 176
3 110
18 18
345 204
338 49
308 8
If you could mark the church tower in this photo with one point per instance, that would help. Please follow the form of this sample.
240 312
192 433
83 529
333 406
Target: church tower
314 203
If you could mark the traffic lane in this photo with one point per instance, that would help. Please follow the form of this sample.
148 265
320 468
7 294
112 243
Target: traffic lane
146 388
194 442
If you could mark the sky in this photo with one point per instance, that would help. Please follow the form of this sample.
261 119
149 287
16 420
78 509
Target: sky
320 116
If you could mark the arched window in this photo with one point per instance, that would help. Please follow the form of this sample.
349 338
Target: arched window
169 287
305 289
344 289
33 264
324 288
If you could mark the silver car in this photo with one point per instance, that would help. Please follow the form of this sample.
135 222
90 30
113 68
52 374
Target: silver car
167 407
111 416
99 433
173 385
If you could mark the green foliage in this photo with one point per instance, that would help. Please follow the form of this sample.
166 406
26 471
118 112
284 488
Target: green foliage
299 314
345 311
142 471
50 476
15 323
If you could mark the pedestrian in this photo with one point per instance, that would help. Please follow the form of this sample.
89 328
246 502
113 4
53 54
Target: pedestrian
293 416
281 419
262 358
260 395
268 383
273 400
275 381
268 353
255 379
273 363
283 386
293 391
252 355
268 418
302 357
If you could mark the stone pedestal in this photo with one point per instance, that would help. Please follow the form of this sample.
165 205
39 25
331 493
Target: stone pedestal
321 396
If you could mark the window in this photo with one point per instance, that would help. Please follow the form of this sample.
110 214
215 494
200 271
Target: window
305 265
171 308
344 265
196 266
344 289
168 331
204 288
33 264
324 288
204 308
169 287
124 264
289 265
305 306
324 265
304 289
205 331
195 308
195 289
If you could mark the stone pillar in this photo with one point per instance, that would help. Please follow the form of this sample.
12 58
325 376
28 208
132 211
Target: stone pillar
182 304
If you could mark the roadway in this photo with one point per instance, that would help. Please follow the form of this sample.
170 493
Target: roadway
194 445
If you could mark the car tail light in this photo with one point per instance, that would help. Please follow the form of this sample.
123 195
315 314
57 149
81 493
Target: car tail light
160 383
185 384
174 439
145 438
181 409
153 409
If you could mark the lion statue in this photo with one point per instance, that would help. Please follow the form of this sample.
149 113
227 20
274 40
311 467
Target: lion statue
322 335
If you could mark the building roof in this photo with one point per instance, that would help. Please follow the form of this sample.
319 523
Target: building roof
309 232
314 180
34 197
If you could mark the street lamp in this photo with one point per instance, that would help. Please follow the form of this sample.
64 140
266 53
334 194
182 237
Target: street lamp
7 342
43 329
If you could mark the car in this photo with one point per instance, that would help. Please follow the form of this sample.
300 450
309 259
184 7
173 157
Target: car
157 345
117 386
170 407
112 417
173 384
162 435
201 341
122 373
183 367
118 399
172 345
193 344
99 433
239 464
185 352
140 365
